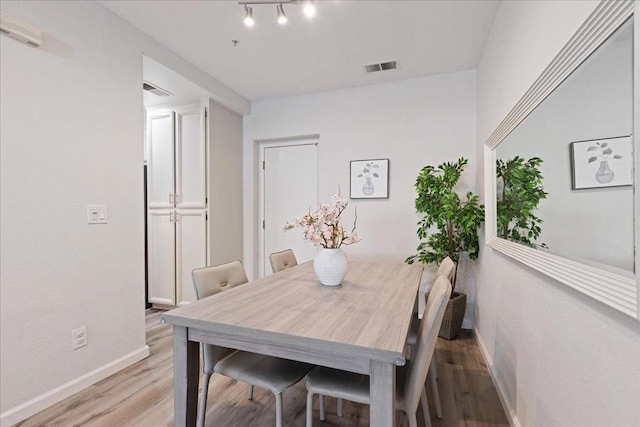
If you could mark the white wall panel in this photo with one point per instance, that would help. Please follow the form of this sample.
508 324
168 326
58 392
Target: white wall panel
559 357
71 130
413 123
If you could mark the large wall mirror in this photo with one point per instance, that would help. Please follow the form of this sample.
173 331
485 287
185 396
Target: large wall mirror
564 165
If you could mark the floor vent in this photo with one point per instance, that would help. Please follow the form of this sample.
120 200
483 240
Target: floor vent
155 89
381 66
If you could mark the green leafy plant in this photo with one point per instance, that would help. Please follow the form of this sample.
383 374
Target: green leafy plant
367 172
518 199
456 221
604 152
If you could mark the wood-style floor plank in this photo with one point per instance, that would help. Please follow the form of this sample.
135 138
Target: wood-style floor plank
142 394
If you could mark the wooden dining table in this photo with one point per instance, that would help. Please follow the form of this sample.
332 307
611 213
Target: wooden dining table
359 326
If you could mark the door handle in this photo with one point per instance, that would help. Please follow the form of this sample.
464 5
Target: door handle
170 216
170 198
177 217
177 198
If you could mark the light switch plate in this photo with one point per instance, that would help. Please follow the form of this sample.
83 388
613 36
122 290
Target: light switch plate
97 214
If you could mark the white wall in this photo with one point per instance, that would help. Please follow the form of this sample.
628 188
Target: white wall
595 102
414 123
560 358
225 185
71 134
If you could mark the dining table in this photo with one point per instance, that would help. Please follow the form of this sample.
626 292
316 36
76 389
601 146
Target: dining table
359 326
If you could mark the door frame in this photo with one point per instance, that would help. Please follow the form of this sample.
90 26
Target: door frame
273 143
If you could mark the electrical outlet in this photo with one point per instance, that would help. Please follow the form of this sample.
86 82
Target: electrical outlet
79 338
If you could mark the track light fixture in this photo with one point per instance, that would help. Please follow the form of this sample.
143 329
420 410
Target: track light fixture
309 9
248 16
282 17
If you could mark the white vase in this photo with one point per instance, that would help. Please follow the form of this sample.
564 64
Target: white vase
330 266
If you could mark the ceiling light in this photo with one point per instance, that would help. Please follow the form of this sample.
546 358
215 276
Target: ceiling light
309 9
248 16
282 18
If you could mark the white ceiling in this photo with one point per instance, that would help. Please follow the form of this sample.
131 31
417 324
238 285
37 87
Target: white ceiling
323 53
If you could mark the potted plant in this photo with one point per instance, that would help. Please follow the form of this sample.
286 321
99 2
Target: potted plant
518 194
456 221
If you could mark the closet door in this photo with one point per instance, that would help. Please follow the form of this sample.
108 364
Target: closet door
191 246
191 158
160 165
162 255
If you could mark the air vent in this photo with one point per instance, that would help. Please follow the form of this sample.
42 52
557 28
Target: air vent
381 66
155 89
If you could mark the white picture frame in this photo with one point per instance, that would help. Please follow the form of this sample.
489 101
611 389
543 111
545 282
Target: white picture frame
369 179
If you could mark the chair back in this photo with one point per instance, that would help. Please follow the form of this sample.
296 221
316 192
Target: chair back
447 268
211 280
426 344
282 260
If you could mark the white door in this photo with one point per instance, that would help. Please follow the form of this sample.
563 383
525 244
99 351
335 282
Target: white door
191 158
160 169
290 188
161 253
191 247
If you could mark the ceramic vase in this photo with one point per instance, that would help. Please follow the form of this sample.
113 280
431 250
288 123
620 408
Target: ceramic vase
330 266
368 188
604 174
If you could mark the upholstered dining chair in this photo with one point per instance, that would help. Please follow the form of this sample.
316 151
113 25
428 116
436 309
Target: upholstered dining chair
446 268
208 281
268 372
282 260
410 378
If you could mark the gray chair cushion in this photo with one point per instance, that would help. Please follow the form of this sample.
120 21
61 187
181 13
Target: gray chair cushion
350 386
268 372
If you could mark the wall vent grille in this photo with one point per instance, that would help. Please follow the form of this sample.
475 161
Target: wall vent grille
155 89
381 66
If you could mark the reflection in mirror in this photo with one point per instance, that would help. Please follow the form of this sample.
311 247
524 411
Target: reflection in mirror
565 173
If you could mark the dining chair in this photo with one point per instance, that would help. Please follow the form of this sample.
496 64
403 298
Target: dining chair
282 260
208 281
446 268
255 369
410 378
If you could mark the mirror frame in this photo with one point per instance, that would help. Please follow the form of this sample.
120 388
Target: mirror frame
616 290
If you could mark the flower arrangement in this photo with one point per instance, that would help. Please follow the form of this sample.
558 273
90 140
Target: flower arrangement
322 227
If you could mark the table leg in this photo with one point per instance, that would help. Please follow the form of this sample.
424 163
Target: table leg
383 394
186 367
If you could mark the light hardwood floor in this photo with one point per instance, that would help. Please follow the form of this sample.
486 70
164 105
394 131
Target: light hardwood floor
142 395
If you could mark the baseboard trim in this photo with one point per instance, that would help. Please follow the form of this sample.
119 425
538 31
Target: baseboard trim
37 404
511 415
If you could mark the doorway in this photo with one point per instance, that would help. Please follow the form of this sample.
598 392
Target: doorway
288 189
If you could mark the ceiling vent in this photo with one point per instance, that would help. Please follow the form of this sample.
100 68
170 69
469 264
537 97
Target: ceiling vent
381 66
155 89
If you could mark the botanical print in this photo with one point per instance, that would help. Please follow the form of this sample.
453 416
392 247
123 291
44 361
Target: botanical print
369 179
602 163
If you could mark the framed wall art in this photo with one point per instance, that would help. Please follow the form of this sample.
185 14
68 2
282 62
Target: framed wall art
598 163
369 179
